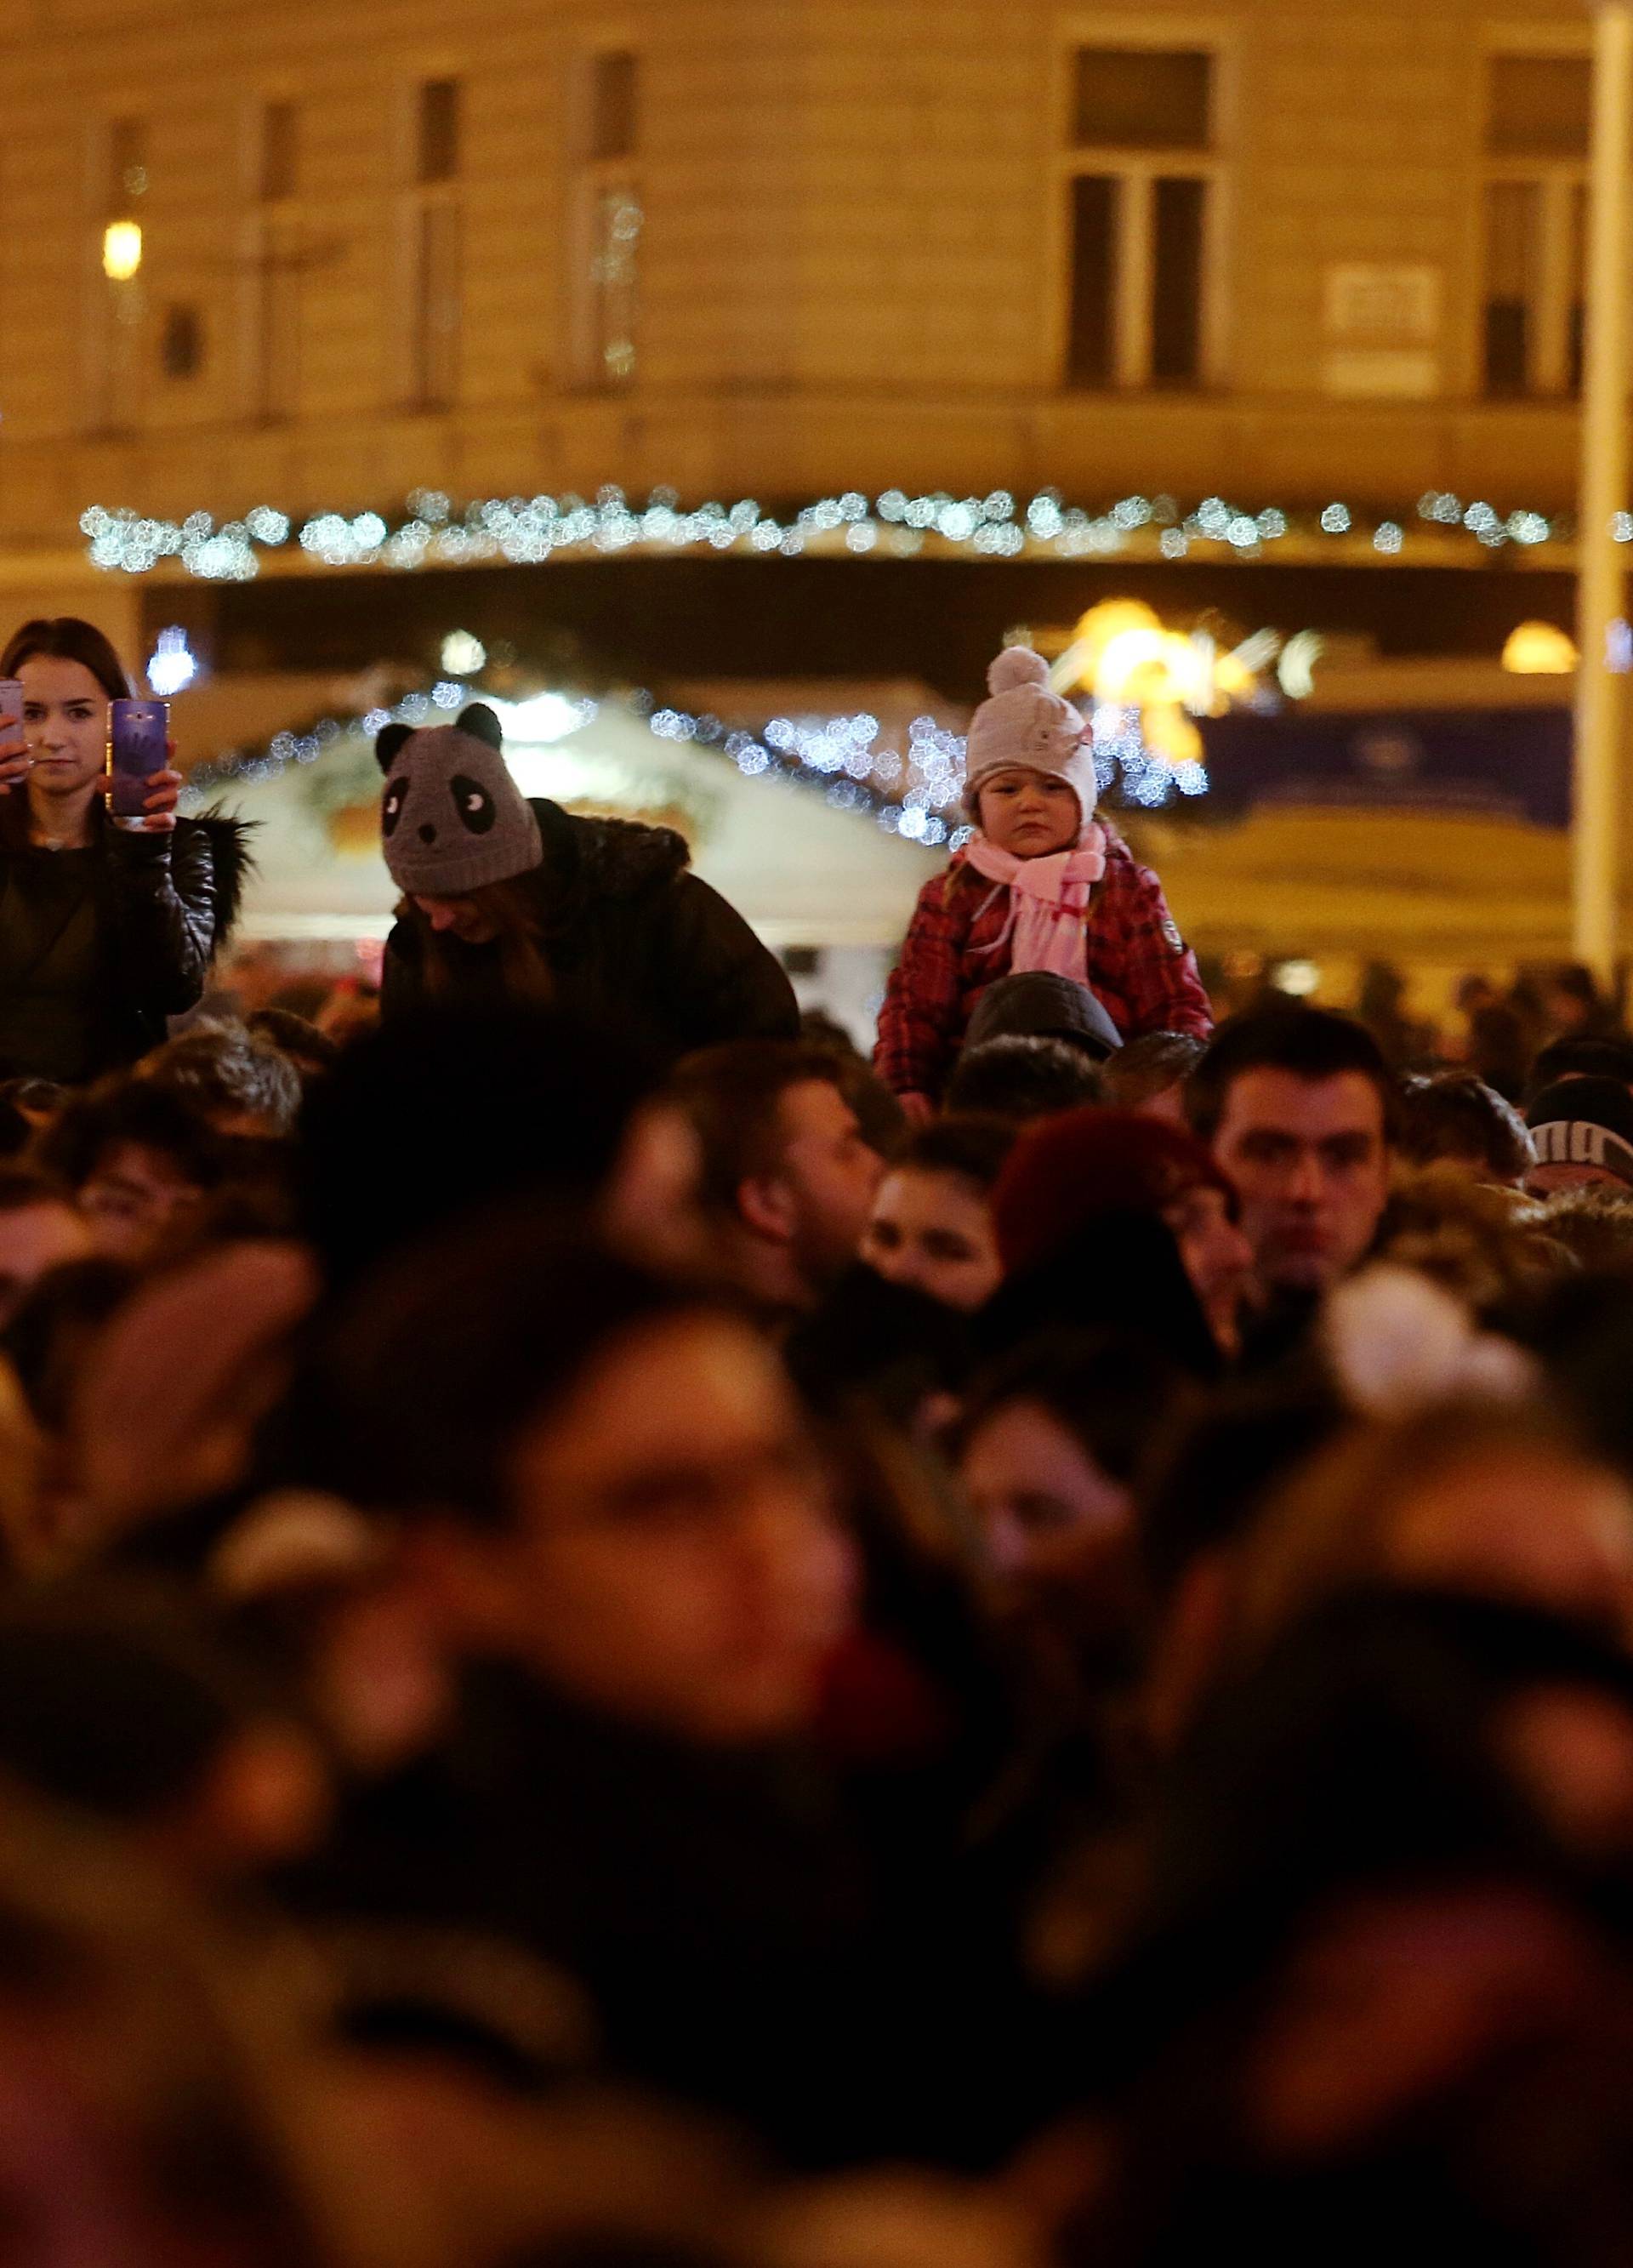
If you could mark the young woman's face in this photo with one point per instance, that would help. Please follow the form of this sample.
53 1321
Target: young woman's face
65 723
1030 815
934 1232
461 917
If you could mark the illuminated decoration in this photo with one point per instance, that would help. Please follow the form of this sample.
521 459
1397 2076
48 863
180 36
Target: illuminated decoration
463 655
1295 669
1300 980
915 791
531 530
1540 650
172 666
121 250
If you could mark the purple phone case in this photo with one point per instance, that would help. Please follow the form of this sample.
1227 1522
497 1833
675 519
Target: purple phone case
138 742
11 705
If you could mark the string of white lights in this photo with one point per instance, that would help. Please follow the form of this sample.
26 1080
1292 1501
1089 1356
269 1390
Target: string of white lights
530 530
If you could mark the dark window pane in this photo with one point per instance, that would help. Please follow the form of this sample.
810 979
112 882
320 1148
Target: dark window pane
436 315
126 166
279 144
1176 283
1093 280
1507 346
438 155
1143 99
1577 347
614 106
181 342
1540 106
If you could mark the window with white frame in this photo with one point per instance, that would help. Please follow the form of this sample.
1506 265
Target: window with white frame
1143 191
435 248
1538 112
276 264
608 222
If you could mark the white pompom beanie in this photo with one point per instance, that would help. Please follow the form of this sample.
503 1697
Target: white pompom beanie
1026 725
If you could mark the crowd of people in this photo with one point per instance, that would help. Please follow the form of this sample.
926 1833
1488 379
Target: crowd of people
631 1641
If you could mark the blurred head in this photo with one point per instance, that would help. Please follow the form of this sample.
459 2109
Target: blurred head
236 1082
1055 1445
1455 1119
138 1159
1149 1074
40 1228
1022 1078
295 1038
1298 1108
1582 1134
605 1480
1068 1172
788 1182
932 1222
1575 1059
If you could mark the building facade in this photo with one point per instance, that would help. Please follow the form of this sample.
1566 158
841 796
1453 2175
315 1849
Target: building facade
318 256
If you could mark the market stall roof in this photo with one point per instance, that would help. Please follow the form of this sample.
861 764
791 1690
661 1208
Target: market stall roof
804 866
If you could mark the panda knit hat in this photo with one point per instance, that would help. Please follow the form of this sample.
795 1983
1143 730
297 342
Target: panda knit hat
453 820
1026 725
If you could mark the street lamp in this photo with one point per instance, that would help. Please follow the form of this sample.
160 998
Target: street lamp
1596 844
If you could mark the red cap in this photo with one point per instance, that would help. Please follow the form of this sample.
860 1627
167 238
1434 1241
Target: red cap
1065 1172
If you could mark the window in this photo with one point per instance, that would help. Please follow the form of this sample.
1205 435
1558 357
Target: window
181 342
280 153
1142 194
609 221
116 332
1535 223
436 227
438 158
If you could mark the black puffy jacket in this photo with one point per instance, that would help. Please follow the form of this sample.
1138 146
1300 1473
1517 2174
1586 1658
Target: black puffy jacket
164 907
633 942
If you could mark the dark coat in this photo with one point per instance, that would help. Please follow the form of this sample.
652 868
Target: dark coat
165 905
632 940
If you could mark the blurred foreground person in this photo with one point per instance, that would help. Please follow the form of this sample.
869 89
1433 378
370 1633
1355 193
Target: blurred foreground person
40 1229
511 902
139 1161
1456 1120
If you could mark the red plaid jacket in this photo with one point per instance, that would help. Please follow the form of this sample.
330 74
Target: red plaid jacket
958 944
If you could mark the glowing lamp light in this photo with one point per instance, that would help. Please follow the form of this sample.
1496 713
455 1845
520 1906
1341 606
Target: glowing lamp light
1540 650
1300 979
463 655
543 718
121 250
172 668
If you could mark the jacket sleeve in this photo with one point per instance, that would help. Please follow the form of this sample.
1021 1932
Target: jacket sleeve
918 1023
718 981
1155 970
165 891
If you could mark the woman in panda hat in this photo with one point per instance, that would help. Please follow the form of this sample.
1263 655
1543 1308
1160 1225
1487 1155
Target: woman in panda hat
507 901
1040 889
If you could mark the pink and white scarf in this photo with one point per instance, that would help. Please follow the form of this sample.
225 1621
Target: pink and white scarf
1050 898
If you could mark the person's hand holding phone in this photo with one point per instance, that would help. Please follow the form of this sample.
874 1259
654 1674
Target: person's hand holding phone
14 758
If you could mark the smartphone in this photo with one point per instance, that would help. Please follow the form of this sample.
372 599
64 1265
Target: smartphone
138 745
11 711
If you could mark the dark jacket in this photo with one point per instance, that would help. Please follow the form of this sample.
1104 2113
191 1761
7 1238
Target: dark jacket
164 906
633 941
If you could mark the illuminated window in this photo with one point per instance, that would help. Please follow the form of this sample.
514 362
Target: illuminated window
116 334
1538 109
1143 189
609 221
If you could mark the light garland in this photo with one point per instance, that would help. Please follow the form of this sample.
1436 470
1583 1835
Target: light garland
917 793
529 530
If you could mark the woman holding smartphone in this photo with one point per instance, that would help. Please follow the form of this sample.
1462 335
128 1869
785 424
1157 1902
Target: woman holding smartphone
106 930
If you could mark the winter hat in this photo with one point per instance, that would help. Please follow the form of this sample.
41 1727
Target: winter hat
1025 723
1036 1004
1585 1122
452 818
1066 1172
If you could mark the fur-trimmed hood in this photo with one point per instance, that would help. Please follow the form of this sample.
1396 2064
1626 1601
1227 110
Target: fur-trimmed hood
231 860
599 859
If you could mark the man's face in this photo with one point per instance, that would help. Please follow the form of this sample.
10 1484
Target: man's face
33 1239
675 1560
829 1179
133 1196
933 1231
1311 1162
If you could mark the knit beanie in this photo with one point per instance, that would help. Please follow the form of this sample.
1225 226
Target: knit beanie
1065 1172
1026 725
1585 1122
453 820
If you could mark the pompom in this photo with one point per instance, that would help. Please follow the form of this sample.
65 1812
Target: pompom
1398 1344
1017 665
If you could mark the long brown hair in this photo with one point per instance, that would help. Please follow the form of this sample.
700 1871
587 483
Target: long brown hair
513 909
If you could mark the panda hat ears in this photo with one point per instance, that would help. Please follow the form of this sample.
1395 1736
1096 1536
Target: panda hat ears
478 720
